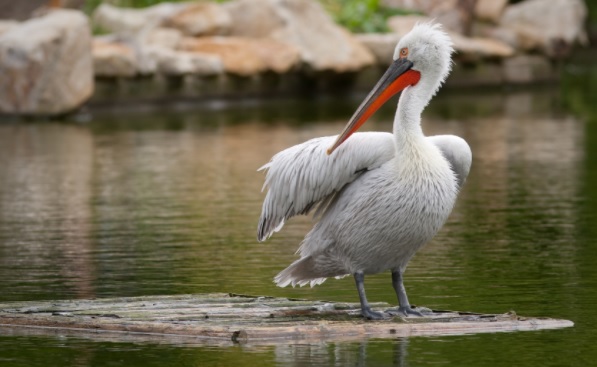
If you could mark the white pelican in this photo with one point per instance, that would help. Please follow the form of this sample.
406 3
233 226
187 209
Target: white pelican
380 196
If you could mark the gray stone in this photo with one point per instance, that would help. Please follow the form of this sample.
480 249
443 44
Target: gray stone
550 26
381 45
46 65
455 15
172 62
490 10
277 56
6 25
402 24
130 22
201 18
468 48
323 45
246 56
114 59
164 37
475 48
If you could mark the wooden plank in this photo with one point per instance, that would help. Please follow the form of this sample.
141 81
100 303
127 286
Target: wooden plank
222 318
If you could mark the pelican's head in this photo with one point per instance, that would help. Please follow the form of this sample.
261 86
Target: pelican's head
429 49
423 55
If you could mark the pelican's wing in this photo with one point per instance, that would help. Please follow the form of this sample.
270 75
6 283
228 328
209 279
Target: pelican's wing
457 152
302 176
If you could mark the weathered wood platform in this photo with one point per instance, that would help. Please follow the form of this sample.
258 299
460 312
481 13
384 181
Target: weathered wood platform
223 318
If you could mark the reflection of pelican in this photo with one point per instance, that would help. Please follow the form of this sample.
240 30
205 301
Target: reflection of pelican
381 196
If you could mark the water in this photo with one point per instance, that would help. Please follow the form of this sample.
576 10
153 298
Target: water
167 203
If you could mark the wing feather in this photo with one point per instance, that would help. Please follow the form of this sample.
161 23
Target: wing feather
457 152
303 176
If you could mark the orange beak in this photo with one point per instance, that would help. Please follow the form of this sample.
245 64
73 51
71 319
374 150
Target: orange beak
398 76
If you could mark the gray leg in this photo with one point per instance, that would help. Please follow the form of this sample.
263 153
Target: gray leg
398 285
366 311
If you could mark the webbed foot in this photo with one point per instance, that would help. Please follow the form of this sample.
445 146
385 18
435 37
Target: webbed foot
407 311
373 315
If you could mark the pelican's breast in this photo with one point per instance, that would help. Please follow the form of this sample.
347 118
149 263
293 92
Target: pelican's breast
390 213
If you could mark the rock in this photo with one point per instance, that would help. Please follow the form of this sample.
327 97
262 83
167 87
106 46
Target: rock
381 45
131 22
323 45
20 10
246 56
237 56
164 37
114 59
6 25
171 62
277 56
472 49
46 65
551 26
202 18
402 24
469 48
455 15
490 10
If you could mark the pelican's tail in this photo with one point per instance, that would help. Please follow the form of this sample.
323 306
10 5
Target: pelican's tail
301 272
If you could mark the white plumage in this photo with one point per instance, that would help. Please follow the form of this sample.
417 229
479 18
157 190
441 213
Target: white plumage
380 196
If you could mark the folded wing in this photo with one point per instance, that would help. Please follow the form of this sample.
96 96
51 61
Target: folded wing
457 153
303 176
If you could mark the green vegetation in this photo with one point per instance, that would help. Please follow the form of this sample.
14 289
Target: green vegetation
365 16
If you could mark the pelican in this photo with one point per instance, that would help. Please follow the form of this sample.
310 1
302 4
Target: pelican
379 196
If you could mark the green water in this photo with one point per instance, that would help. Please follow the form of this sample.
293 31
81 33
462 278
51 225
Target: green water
167 203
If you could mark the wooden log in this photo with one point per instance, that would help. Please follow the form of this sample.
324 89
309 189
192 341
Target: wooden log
222 318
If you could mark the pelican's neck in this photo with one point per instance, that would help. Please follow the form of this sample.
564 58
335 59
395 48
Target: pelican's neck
407 123
413 100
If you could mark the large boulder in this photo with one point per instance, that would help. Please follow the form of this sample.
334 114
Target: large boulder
323 45
467 48
490 10
455 15
46 65
202 18
117 58
246 56
381 45
475 48
114 59
173 62
278 57
164 37
550 26
131 22
6 25
402 24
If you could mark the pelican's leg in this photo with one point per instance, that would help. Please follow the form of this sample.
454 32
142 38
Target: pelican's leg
404 306
366 311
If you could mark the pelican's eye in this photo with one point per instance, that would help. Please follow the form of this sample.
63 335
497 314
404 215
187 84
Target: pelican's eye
403 52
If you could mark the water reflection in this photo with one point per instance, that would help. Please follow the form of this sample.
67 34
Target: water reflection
365 353
45 216
168 203
96 211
